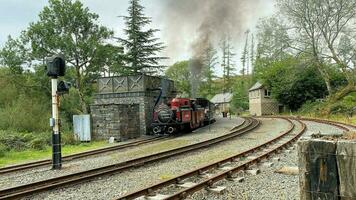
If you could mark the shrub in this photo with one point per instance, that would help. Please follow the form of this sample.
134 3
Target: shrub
13 141
38 144
68 138
3 150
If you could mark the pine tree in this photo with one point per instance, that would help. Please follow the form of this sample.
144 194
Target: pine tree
244 57
210 60
252 53
141 46
227 64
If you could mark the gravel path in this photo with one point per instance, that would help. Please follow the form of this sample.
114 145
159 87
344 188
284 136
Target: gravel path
220 127
122 183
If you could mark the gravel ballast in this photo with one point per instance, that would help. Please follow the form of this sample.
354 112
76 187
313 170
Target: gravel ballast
266 185
269 184
221 127
122 183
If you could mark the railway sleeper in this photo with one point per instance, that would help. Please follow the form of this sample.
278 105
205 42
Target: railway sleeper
217 189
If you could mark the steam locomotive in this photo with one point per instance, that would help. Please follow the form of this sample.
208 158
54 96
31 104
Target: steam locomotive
182 114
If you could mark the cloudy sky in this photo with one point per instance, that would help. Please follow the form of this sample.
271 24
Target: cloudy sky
177 32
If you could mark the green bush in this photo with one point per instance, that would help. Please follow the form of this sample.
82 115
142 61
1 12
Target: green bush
13 141
17 141
38 144
3 150
68 138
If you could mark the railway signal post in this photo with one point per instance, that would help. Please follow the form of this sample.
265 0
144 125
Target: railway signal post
56 68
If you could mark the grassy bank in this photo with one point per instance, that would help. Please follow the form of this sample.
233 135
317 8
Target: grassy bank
17 157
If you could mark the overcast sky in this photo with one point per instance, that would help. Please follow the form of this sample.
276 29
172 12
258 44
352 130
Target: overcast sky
15 16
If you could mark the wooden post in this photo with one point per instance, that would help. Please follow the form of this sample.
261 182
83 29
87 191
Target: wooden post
318 177
346 162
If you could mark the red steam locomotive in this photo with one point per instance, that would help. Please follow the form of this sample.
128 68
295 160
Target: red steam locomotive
182 114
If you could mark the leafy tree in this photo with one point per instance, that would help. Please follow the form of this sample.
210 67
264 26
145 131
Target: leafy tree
179 73
68 27
320 27
292 82
239 100
12 55
141 46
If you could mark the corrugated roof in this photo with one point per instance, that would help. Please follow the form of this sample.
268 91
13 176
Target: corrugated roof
257 86
222 98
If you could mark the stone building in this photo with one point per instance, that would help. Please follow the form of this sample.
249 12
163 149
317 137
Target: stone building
261 102
123 106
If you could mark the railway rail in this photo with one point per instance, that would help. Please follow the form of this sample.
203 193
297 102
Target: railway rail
47 162
31 188
341 125
41 163
208 182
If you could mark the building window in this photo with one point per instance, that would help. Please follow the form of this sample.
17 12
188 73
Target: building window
267 93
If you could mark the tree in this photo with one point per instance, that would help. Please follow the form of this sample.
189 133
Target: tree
244 57
252 54
179 73
13 55
292 82
320 27
209 61
141 46
227 64
272 46
70 28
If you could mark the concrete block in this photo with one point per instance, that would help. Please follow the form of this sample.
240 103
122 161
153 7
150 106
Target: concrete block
288 170
276 159
237 179
266 150
156 197
253 171
268 164
225 168
217 189
186 185
205 175
251 157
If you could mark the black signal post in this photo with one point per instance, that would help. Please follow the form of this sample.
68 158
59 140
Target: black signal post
56 68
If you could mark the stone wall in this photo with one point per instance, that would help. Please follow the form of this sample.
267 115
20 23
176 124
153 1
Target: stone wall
327 169
138 90
115 120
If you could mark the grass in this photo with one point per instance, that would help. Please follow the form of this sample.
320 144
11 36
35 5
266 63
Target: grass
351 135
13 157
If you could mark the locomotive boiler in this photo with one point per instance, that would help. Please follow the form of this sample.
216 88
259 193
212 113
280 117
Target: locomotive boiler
182 114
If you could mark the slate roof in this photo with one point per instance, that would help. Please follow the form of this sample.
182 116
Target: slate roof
257 86
222 98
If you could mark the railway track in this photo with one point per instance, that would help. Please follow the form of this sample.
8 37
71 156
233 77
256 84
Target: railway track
31 188
341 125
47 162
227 171
41 163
